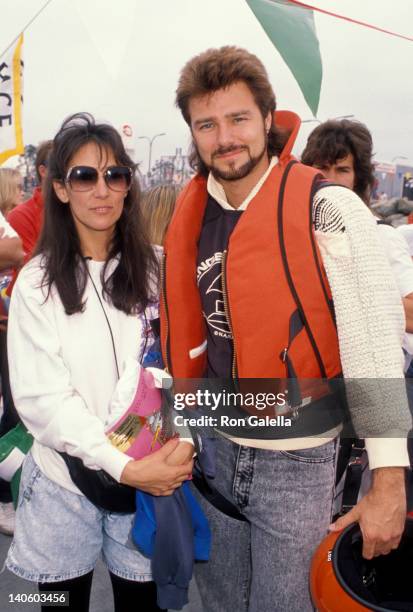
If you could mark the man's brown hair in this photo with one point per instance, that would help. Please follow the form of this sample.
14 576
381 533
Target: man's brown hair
335 139
42 156
216 69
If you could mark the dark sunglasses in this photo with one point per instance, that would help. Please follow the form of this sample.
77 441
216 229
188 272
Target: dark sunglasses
85 178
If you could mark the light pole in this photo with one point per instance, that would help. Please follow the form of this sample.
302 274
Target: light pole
150 140
318 120
311 121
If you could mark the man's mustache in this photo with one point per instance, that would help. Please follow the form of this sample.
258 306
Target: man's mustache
229 149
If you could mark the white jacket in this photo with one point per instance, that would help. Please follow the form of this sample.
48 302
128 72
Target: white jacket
63 372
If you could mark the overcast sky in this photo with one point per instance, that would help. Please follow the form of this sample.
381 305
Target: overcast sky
120 60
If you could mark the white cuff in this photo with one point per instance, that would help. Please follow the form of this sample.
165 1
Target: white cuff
112 460
387 452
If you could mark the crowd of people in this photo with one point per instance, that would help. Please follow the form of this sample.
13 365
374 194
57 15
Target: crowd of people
264 267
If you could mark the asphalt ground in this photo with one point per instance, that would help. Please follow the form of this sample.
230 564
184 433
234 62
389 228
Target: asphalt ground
101 598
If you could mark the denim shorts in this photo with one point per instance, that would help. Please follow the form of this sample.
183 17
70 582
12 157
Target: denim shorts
59 535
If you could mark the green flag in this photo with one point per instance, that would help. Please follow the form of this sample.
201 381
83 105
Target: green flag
291 29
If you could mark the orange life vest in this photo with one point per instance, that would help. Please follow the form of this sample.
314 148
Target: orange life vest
273 271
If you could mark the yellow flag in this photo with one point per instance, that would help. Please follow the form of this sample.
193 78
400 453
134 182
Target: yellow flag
11 102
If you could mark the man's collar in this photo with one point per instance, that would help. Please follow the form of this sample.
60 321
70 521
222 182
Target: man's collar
216 190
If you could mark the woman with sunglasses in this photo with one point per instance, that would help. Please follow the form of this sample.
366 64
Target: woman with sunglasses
80 309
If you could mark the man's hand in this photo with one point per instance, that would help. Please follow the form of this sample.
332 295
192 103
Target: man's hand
154 475
182 454
381 513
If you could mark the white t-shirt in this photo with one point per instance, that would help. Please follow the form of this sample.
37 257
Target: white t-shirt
407 232
397 252
401 263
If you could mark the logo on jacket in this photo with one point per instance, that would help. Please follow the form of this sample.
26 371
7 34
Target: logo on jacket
209 279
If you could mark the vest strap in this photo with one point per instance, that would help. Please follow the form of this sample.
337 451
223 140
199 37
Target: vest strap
294 394
214 497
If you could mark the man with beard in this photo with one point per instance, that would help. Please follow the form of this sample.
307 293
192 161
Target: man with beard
256 249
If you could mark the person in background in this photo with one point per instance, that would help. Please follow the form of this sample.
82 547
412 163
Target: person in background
27 218
407 232
11 190
158 205
343 151
11 195
11 255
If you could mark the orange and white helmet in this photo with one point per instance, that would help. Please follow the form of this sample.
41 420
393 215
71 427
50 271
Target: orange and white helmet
341 580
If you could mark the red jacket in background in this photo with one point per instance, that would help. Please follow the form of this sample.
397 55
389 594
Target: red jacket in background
27 219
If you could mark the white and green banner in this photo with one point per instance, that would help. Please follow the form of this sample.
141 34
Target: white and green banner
292 31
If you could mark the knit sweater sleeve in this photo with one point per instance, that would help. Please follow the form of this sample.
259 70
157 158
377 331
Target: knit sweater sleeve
370 322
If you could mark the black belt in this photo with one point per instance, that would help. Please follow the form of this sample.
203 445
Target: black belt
214 497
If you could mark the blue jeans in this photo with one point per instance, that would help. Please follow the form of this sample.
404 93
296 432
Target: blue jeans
263 565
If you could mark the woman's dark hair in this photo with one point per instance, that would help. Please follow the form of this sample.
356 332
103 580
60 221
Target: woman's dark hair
334 140
128 286
216 69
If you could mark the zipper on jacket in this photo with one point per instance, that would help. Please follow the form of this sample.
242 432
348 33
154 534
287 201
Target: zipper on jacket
165 306
234 370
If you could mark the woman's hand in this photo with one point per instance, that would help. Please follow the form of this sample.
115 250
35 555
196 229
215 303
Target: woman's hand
154 474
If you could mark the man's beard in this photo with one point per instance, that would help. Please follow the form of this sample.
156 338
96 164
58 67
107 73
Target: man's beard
235 174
